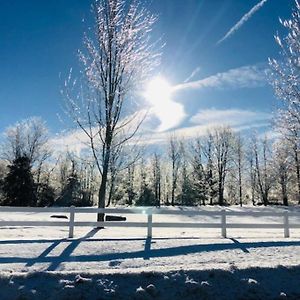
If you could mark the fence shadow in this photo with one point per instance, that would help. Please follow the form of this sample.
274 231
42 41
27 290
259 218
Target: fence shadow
67 255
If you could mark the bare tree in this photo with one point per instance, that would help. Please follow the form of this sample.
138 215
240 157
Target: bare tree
286 83
28 138
222 143
285 71
208 153
130 188
187 192
262 160
291 137
116 61
282 163
156 169
239 158
175 157
252 173
200 181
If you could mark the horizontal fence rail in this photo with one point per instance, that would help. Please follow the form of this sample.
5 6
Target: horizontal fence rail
223 215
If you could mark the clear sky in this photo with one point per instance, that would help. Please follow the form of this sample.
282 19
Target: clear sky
215 56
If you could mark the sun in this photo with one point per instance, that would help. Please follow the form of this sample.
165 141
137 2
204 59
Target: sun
158 94
157 91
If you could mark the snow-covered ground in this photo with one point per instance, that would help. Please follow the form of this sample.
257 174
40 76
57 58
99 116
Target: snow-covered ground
121 263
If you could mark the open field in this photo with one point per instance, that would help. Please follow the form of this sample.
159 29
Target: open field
115 262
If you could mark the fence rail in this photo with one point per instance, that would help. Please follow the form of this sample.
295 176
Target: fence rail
223 215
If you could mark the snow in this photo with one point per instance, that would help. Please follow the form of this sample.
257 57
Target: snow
121 263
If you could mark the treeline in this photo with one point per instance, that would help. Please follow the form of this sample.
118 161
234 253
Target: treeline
221 167
31 175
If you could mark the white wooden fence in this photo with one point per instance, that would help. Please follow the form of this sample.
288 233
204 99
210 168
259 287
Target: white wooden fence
223 215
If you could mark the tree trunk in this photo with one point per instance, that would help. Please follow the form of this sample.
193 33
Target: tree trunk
173 196
221 193
240 186
265 198
284 189
102 194
110 194
102 189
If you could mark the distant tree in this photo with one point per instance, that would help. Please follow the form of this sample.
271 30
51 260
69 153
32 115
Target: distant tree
252 173
222 138
156 174
28 138
18 185
70 192
46 195
175 157
199 175
282 166
130 188
146 195
3 171
264 173
187 195
116 61
238 160
88 181
291 138
210 170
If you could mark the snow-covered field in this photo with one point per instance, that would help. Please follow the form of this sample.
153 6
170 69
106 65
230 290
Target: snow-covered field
121 263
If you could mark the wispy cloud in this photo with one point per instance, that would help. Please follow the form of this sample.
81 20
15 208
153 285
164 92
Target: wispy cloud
242 21
192 75
238 119
74 141
232 117
246 76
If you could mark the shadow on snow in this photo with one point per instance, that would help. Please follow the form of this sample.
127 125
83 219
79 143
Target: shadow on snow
146 253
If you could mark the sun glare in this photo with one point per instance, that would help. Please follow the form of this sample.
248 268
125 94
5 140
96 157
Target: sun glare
158 90
158 94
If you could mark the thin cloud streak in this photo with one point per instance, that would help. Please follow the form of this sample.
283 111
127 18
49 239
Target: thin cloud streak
193 74
246 76
242 21
231 117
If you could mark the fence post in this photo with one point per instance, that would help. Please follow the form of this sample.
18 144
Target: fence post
149 232
286 224
71 221
223 223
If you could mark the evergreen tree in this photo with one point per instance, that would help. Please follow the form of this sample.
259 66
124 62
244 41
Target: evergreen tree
18 185
130 191
146 196
70 195
187 196
45 195
200 184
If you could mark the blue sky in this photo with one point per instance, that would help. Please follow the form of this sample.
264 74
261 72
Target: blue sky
39 41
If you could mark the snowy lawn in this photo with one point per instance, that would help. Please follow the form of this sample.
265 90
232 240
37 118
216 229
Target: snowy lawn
42 263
